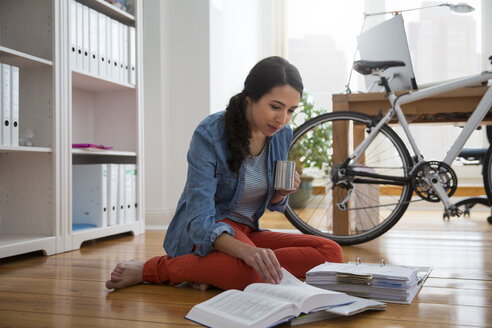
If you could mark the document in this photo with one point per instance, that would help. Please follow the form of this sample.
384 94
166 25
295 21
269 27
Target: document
112 194
89 193
130 211
93 42
6 105
121 218
264 305
132 55
387 283
115 50
80 37
85 39
14 113
126 76
73 34
109 48
101 26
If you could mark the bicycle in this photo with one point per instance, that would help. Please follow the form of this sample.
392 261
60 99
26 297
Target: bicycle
371 176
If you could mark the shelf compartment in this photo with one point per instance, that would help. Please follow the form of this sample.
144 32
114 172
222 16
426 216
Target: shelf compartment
79 236
106 118
110 10
21 59
86 81
11 245
26 26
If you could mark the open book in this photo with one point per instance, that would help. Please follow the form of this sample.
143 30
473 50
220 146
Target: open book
359 305
264 305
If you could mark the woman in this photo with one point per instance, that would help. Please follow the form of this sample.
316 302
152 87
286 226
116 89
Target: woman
214 237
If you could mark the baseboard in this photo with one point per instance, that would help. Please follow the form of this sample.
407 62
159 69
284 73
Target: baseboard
158 219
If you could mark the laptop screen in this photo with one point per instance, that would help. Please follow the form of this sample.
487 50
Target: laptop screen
388 41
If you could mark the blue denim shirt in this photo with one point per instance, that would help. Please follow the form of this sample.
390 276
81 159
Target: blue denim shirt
212 190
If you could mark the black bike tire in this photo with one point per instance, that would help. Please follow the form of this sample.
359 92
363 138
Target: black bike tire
487 173
399 210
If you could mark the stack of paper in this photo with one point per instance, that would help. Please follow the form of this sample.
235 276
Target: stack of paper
389 283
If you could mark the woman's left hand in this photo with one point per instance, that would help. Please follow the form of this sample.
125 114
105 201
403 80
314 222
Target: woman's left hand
297 181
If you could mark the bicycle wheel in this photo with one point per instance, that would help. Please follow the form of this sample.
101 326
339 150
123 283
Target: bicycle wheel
377 188
487 174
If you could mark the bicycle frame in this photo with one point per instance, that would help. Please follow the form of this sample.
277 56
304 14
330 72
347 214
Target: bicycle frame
473 122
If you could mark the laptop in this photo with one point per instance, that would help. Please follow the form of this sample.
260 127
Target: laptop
388 41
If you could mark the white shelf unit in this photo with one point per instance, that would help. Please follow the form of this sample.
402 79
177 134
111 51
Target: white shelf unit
28 183
58 107
107 112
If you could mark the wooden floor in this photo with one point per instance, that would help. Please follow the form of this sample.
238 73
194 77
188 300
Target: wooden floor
67 290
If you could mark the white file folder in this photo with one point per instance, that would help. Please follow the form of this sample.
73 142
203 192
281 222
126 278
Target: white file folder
6 105
14 112
73 34
80 36
93 42
121 195
114 50
85 39
112 194
121 70
132 55
109 47
129 195
126 76
101 26
89 184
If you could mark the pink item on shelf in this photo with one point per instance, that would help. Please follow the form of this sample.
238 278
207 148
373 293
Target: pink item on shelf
90 146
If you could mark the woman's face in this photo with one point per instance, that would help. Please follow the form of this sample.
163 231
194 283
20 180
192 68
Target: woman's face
272 111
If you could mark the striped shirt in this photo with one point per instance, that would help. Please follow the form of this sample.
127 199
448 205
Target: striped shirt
255 189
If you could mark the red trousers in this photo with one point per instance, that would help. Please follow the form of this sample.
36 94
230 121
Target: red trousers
297 253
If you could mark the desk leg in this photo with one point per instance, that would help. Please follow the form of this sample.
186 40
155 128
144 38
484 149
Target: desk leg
341 225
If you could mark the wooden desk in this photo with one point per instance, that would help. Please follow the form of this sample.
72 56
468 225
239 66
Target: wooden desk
450 107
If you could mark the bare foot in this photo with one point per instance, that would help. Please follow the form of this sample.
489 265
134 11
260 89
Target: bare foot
200 286
126 274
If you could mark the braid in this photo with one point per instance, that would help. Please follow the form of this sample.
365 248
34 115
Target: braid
237 131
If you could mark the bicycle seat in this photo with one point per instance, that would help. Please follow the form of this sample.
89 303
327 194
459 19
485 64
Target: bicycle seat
366 67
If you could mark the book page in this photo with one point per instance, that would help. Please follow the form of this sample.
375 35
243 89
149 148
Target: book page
295 291
241 309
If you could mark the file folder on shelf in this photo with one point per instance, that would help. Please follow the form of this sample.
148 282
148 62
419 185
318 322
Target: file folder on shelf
93 42
14 113
132 54
80 37
112 194
126 77
85 39
89 184
115 50
73 34
109 48
130 212
121 195
6 105
102 45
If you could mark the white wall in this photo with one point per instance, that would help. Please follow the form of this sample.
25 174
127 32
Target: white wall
196 56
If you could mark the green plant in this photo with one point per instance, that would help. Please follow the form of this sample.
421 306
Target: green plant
313 149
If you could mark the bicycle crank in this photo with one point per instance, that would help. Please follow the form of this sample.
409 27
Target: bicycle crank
433 173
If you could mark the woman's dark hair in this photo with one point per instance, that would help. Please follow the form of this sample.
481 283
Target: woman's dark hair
263 77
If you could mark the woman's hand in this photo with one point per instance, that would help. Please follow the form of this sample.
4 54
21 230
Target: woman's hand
263 260
297 182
